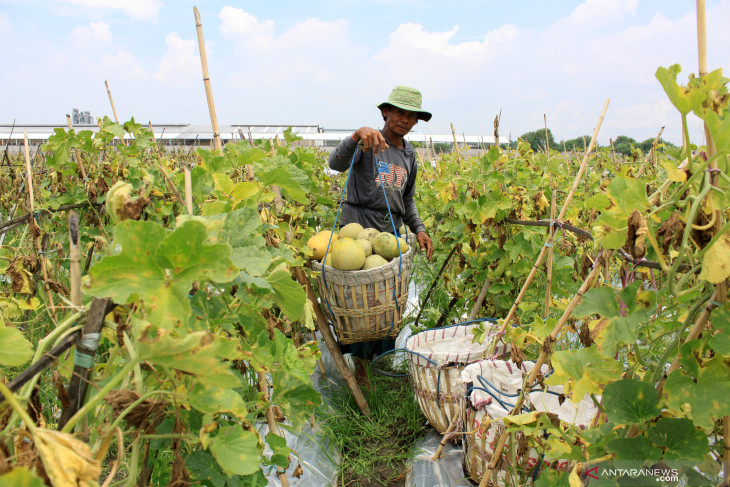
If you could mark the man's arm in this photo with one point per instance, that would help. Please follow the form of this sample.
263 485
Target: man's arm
370 139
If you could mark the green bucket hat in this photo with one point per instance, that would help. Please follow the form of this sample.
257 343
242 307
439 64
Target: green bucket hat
408 99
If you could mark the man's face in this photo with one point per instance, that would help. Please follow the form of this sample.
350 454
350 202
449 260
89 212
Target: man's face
400 121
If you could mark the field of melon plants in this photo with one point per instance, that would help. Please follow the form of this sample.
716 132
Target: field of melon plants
146 331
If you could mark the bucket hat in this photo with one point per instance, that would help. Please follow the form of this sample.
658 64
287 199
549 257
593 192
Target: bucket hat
407 98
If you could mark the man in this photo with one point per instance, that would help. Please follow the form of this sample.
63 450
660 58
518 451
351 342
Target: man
396 171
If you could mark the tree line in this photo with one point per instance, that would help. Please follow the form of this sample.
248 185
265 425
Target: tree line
622 144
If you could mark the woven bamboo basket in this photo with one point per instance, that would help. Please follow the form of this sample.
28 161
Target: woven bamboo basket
437 357
365 305
490 387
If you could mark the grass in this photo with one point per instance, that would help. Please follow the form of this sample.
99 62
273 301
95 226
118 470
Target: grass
376 449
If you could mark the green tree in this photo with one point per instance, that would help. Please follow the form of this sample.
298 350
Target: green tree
579 143
536 139
623 144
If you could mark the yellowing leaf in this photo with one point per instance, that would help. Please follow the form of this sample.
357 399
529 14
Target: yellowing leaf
574 477
716 262
673 173
68 461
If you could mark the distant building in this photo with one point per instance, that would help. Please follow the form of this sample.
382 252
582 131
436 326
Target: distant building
82 118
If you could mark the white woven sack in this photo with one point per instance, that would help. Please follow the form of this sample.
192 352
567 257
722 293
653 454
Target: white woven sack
507 378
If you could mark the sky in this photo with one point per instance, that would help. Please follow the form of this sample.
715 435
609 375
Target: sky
330 62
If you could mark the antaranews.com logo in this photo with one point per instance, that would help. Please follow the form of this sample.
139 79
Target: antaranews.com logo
643 476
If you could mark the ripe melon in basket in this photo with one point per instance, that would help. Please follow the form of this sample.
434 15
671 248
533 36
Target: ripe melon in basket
347 255
373 261
368 234
365 243
318 243
386 245
351 230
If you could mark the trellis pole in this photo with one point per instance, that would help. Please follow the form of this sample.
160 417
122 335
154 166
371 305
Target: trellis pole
206 82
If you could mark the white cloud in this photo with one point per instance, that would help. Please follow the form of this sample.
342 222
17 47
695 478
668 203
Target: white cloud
122 64
137 9
180 61
91 34
593 13
236 22
6 28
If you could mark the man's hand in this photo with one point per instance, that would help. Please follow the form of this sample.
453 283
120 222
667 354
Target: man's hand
371 139
424 241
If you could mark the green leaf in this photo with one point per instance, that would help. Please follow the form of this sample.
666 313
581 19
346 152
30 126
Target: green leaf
280 457
158 268
20 477
599 201
620 331
680 439
600 301
628 194
195 353
583 371
243 231
608 236
210 400
720 340
288 294
639 451
684 100
236 450
203 466
630 401
15 350
281 177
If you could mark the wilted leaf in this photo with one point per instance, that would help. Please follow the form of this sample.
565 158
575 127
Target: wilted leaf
716 262
583 371
67 460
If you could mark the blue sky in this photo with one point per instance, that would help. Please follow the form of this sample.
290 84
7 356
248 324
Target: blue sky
330 62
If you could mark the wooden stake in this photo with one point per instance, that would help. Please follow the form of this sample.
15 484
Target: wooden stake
544 250
456 145
79 163
74 257
445 439
547 138
613 156
329 340
270 419
206 82
527 385
649 155
188 189
111 100
480 299
551 235
36 239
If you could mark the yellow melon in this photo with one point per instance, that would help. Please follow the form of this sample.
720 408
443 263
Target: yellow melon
351 230
365 243
348 255
386 245
368 234
373 261
318 243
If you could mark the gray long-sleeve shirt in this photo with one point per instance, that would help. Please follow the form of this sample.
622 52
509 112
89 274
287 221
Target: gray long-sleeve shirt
365 203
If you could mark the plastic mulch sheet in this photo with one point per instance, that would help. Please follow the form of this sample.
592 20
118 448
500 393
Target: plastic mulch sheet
447 471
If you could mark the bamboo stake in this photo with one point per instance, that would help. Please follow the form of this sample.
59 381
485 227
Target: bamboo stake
206 82
188 189
551 235
649 155
456 145
544 250
329 340
79 163
111 100
168 180
547 138
527 385
36 240
271 420
480 299
445 439
75 258
613 156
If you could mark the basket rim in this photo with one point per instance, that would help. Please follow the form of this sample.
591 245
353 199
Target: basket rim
319 267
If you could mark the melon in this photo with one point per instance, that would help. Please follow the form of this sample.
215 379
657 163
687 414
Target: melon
373 261
348 255
368 234
385 245
318 243
351 230
403 230
365 243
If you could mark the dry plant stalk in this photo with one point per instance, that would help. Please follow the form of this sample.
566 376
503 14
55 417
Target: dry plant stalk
111 101
551 237
270 419
652 152
35 231
75 258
